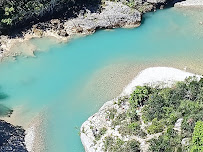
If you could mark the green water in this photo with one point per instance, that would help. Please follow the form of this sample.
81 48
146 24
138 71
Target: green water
62 80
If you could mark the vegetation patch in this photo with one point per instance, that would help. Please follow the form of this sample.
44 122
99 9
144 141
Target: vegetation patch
111 114
168 142
156 109
197 138
117 145
101 132
16 13
155 127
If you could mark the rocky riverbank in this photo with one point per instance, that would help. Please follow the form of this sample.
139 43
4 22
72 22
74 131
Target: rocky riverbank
96 130
110 15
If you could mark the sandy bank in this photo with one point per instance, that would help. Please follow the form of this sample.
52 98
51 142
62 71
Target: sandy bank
155 76
150 76
35 134
190 3
29 138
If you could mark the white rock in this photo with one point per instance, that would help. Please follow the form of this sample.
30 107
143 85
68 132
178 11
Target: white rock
29 138
190 3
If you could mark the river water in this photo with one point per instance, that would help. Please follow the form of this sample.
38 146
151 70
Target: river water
71 81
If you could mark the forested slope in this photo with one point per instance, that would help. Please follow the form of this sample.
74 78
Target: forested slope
18 13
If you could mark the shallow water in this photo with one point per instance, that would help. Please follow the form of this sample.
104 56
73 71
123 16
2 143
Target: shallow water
73 80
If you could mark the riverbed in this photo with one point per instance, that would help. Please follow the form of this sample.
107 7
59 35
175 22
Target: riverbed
70 81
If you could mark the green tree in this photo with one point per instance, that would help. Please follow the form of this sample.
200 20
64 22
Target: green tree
139 96
168 142
155 127
197 138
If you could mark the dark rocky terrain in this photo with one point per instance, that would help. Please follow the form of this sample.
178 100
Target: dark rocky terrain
11 138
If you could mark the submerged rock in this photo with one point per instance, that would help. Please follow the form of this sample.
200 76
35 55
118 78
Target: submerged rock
5 111
11 138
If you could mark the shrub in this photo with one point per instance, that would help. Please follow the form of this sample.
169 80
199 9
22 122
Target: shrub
197 137
132 146
129 129
188 107
168 142
119 119
155 127
117 145
111 113
132 114
108 142
188 123
139 96
102 131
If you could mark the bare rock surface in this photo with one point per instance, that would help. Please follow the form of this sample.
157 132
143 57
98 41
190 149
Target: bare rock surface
190 3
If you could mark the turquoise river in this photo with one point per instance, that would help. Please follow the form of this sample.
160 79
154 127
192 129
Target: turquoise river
70 81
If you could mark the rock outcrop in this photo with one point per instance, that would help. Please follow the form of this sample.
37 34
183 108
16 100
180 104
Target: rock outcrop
11 138
113 15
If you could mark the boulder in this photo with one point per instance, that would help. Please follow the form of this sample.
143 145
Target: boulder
185 142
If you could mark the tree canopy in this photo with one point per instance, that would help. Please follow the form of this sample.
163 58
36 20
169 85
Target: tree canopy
14 13
164 106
